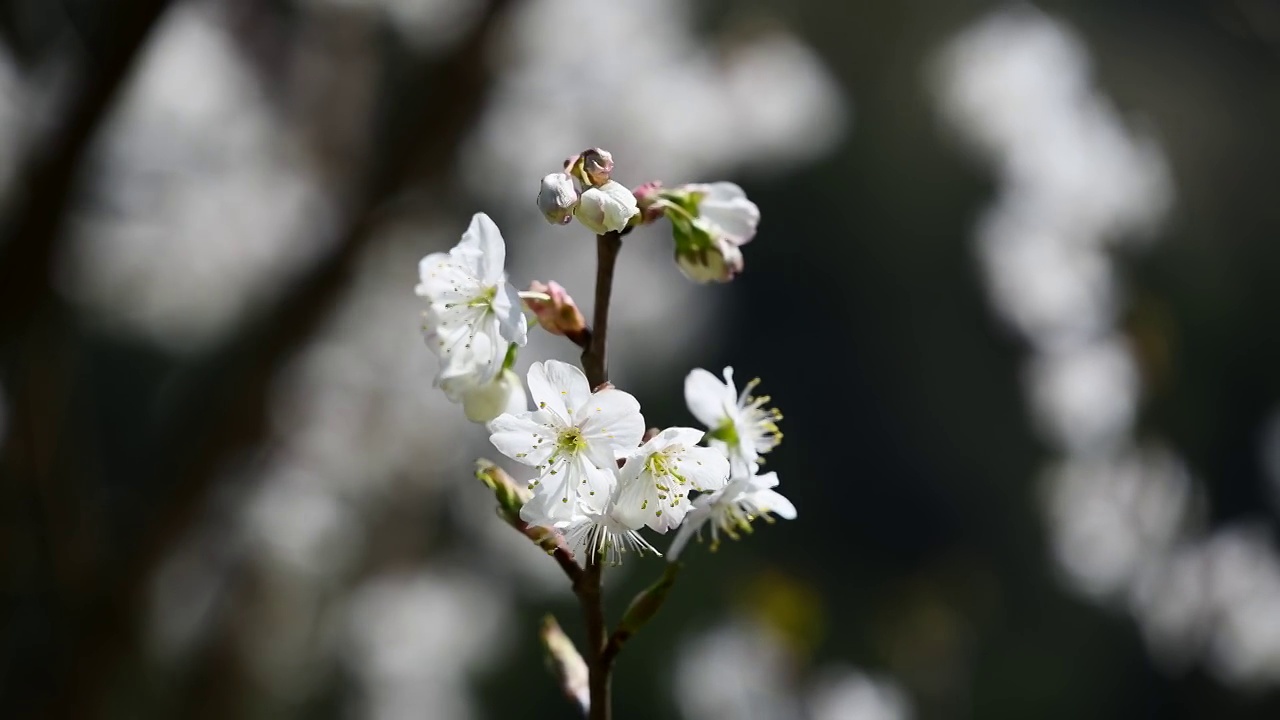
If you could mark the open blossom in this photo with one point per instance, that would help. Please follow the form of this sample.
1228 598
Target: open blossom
608 208
574 438
732 509
473 313
654 483
605 534
737 423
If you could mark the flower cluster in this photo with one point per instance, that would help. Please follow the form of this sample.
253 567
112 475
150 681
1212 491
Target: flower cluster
599 483
600 477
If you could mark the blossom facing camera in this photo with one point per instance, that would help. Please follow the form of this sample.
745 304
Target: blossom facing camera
557 198
558 314
574 439
473 313
717 262
738 424
654 483
504 394
608 208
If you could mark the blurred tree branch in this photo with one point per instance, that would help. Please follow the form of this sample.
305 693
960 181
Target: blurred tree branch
219 407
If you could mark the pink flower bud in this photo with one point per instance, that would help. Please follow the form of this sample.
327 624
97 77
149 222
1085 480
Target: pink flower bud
558 315
647 196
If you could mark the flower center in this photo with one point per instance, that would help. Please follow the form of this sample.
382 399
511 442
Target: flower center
570 440
484 299
726 433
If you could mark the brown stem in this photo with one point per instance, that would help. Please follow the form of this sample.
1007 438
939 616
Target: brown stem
595 362
595 359
588 590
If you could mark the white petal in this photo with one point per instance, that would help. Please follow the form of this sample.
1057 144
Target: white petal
539 509
770 501
705 468
727 206
483 236
678 437
595 485
611 424
529 438
693 522
708 398
545 393
510 312
441 278
621 206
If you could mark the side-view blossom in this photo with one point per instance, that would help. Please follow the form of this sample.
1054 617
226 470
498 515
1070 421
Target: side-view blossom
732 509
654 483
473 313
709 222
608 208
574 439
737 423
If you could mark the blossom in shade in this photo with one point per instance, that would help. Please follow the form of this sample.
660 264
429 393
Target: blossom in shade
574 439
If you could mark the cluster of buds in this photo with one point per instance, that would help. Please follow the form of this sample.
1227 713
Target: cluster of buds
586 190
710 222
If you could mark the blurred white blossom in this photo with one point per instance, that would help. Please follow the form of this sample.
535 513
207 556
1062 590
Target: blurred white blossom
203 202
847 694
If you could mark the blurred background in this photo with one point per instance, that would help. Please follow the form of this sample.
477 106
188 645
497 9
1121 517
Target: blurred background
1014 291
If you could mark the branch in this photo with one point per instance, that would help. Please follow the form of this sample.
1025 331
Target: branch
595 358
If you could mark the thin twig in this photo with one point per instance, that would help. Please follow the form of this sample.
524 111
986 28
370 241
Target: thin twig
595 359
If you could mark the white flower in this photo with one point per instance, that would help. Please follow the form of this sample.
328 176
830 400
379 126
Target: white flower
605 532
719 262
608 208
739 424
732 509
725 212
656 480
574 438
557 198
469 299
503 394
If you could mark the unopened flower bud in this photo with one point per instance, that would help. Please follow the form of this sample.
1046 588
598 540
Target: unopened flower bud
608 208
558 314
566 662
647 197
504 394
720 261
597 166
557 198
